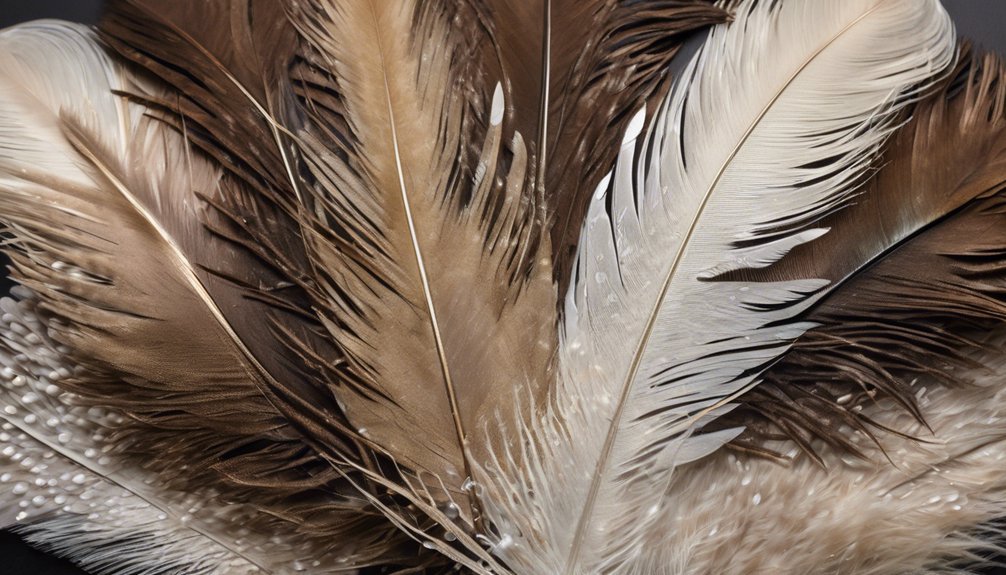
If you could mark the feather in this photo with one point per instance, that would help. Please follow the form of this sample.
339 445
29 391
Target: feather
398 276
671 362
205 385
916 280
291 276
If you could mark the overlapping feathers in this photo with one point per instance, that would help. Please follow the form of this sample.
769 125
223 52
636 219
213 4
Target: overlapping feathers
331 285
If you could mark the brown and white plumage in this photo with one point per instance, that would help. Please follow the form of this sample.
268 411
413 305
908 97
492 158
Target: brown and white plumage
470 284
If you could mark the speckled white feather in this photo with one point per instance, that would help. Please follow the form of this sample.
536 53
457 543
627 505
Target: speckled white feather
63 485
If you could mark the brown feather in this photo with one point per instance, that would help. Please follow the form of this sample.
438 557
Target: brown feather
603 60
103 246
231 96
913 309
399 237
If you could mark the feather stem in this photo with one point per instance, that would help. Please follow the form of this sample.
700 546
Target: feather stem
546 72
425 282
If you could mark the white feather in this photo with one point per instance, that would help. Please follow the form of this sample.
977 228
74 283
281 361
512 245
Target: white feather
775 123
68 491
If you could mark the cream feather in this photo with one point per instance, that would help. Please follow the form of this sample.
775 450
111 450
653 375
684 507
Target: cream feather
651 348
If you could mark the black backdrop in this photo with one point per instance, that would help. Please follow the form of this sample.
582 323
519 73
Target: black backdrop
982 20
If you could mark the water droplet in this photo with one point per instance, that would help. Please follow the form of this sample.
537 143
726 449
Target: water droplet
452 511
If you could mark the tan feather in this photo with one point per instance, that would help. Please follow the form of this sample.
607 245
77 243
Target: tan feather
398 239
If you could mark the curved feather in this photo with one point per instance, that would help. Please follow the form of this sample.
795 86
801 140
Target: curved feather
917 260
90 235
650 345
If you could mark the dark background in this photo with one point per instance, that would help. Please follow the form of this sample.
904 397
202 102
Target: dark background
982 20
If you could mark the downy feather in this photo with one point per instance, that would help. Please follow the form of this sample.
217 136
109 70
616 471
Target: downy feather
929 507
650 346
69 488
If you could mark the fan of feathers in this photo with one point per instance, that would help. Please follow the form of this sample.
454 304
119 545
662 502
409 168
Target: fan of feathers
495 287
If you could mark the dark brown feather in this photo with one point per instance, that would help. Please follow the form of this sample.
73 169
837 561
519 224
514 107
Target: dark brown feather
610 59
602 60
229 100
917 306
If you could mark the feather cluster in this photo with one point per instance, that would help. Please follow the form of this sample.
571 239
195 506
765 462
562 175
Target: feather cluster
403 286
